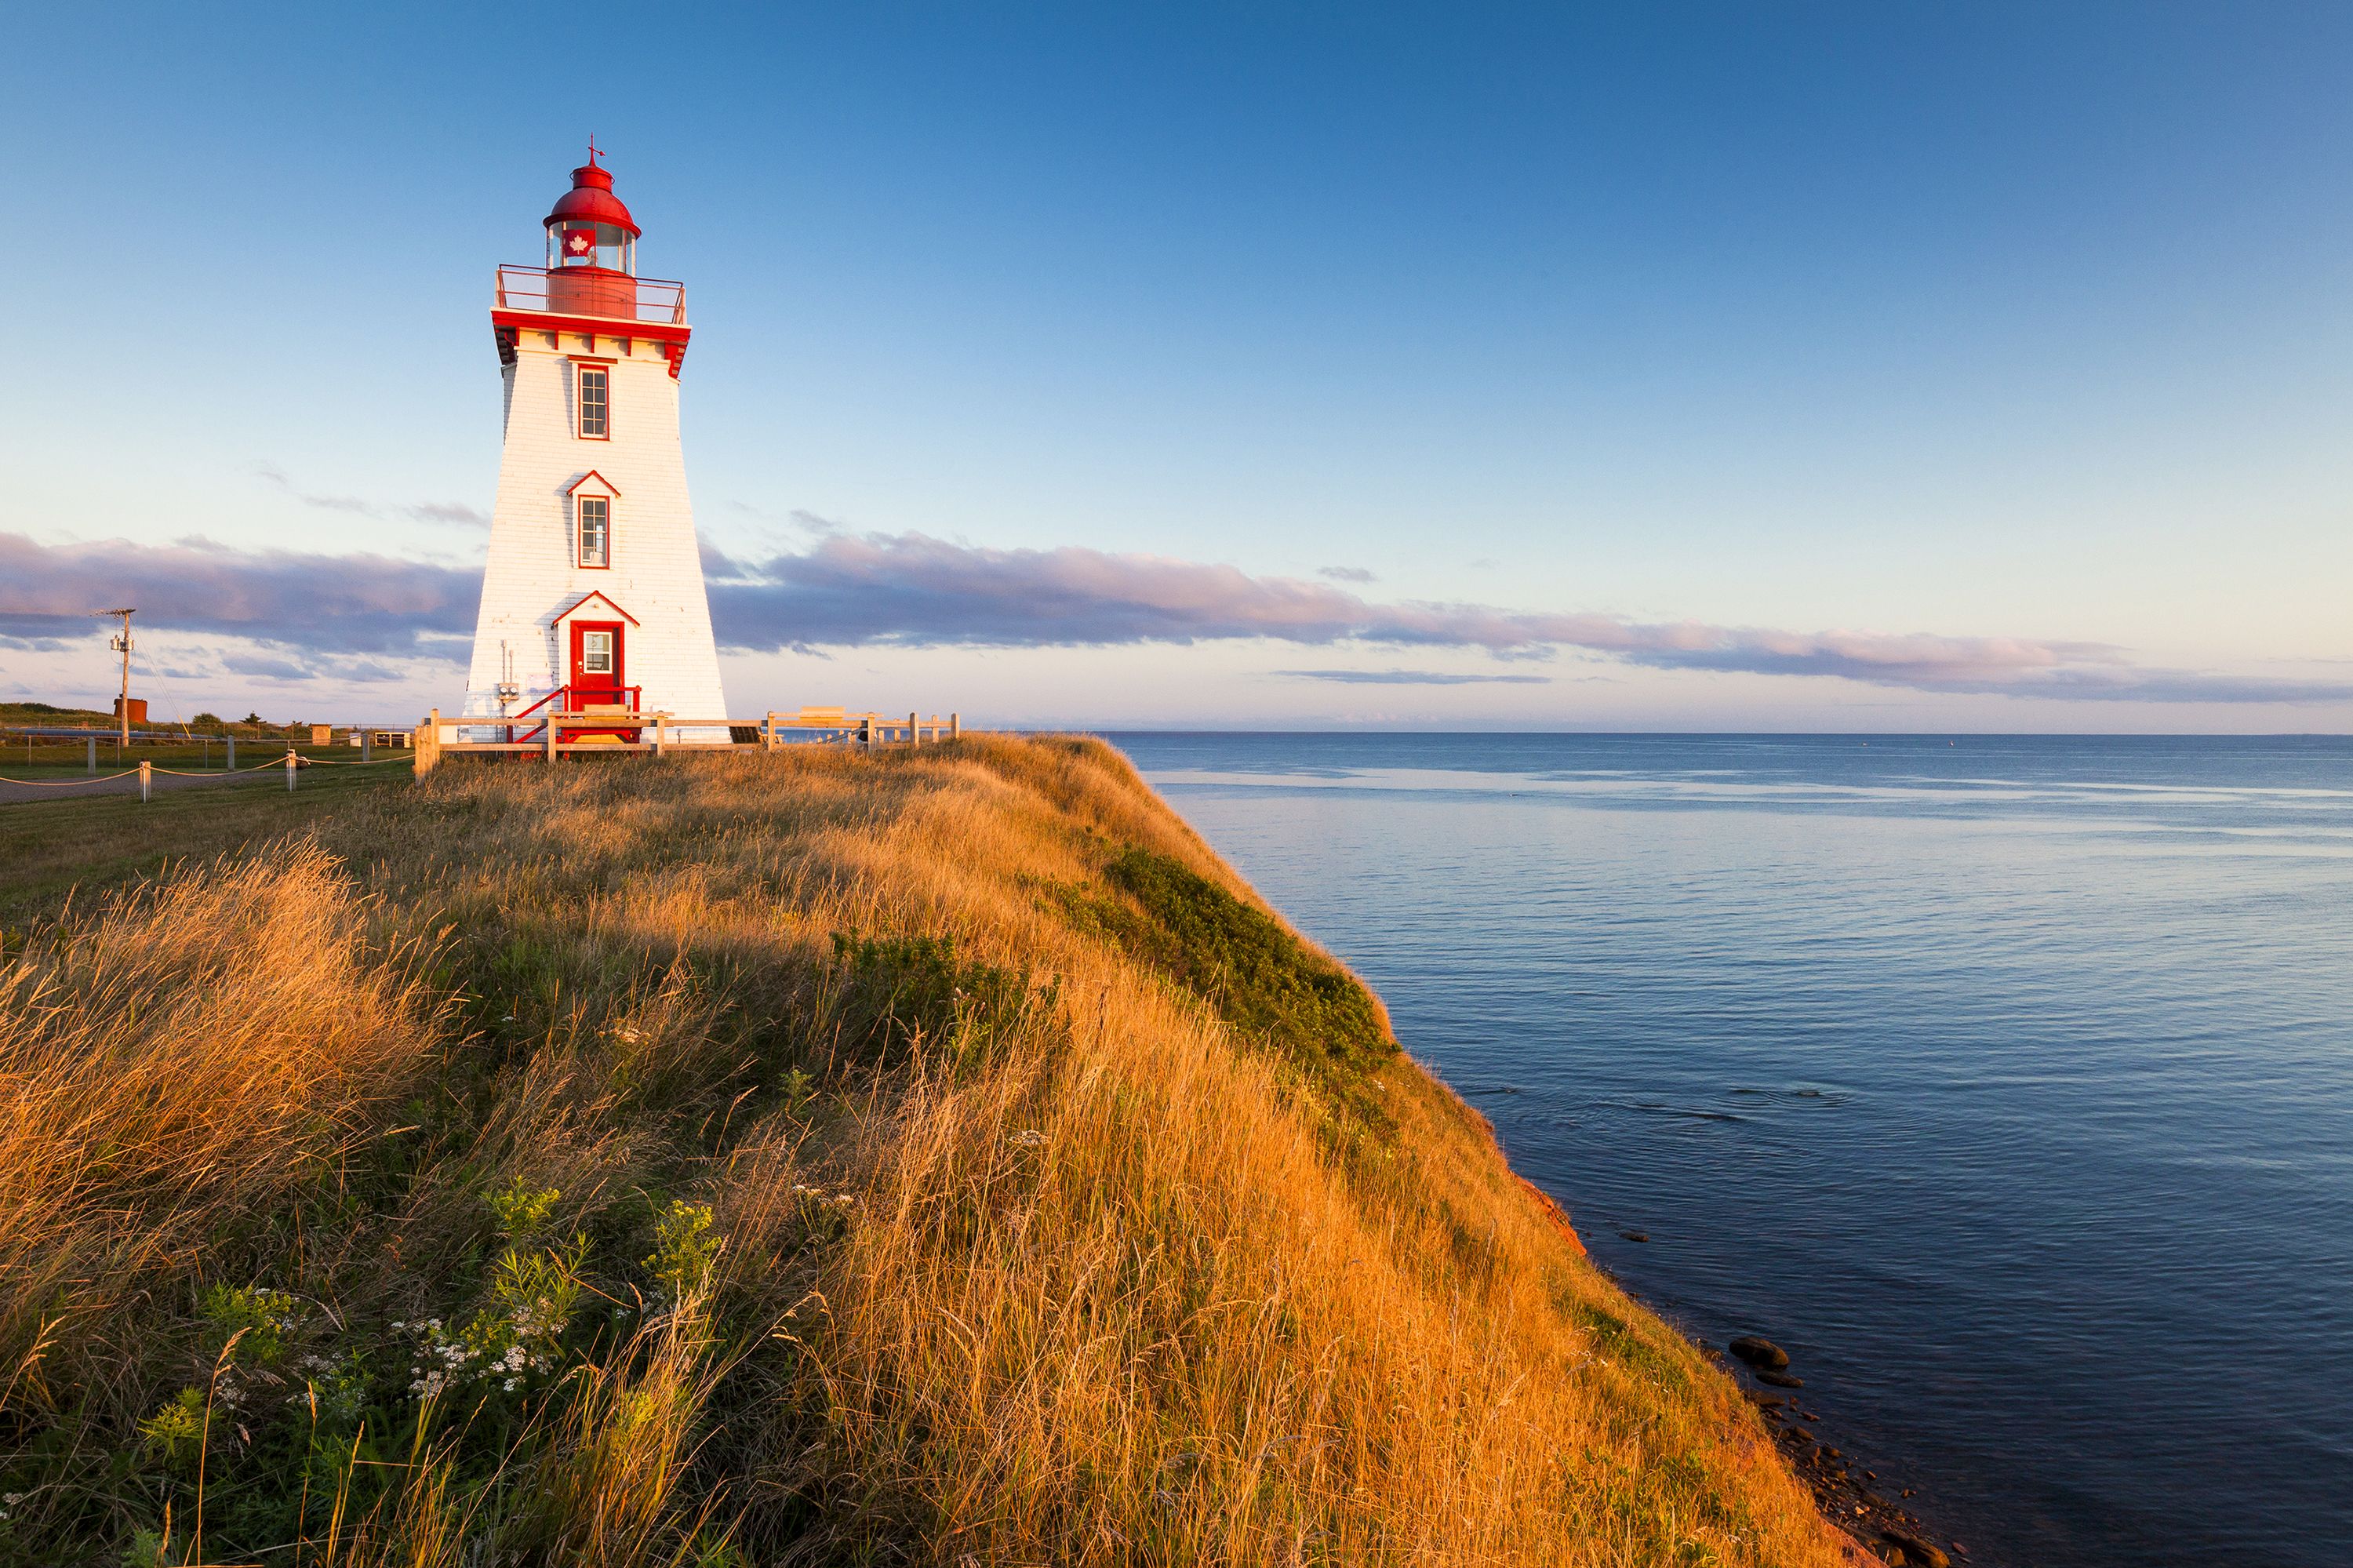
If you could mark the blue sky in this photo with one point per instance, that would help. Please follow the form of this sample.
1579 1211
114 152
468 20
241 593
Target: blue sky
1875 367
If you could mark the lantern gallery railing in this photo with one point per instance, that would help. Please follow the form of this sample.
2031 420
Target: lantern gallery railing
592 292
600 729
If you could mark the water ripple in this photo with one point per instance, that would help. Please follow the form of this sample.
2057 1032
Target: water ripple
2008 1082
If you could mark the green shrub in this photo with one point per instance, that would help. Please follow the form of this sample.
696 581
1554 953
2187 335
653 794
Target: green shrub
898 992
521 1209
1271 989
175 1432
684 1249
253 1323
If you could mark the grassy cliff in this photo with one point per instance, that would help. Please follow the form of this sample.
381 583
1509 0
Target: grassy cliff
938 1157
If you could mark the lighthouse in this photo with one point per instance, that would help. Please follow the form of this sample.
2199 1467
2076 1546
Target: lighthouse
593 600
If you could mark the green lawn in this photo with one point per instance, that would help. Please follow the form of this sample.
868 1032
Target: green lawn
51 847
70 759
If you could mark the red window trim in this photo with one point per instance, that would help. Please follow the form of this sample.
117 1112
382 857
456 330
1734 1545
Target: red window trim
579 379
579 555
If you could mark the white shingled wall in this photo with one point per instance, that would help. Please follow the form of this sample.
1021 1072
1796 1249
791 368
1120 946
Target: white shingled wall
656 570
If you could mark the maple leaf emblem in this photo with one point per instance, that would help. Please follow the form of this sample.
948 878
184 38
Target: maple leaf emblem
578 241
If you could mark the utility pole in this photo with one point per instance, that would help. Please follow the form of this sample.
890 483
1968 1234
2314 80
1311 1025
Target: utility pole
122 645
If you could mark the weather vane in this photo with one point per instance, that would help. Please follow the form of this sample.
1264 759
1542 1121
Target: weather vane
592 149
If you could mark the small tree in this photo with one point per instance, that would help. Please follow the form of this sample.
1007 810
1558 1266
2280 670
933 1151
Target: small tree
251 719
210 721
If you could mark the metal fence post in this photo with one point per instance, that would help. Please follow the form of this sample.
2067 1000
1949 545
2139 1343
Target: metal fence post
93 754
231 764
289 771
146 781
367 746
956 727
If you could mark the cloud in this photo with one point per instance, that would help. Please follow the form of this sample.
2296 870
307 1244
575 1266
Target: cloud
268 669
1346 573
911 590
1413 678
456 512
283 598
914 590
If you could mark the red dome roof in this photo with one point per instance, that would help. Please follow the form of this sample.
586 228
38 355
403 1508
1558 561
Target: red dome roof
591 200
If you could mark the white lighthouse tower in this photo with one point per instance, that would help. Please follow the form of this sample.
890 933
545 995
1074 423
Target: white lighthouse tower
593 600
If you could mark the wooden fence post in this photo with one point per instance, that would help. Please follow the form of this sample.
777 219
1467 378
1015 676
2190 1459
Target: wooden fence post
914 736
429 744
550 733
768 731
146 781
661 732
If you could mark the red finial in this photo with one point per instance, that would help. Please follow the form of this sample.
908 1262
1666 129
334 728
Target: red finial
591 198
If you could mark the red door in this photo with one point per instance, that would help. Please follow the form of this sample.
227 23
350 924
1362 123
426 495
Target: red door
597 668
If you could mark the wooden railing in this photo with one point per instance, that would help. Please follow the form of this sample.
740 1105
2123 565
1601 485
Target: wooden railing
564 733
614 716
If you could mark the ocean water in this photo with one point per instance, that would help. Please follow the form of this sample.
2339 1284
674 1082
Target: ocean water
2006 1082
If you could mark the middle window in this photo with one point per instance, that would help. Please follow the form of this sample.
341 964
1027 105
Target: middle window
596 531
594 387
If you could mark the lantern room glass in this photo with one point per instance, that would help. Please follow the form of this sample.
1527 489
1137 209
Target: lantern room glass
616 248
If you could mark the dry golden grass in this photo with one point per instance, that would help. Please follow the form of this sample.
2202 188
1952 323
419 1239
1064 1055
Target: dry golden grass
175 1062
1111 1283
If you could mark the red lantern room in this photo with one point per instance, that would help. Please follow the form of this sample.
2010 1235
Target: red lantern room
592 247
588 284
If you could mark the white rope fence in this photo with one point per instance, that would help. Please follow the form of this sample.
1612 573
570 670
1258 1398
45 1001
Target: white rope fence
561 732
145 772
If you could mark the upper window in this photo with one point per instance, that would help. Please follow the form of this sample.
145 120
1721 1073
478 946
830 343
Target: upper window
596 531
595 385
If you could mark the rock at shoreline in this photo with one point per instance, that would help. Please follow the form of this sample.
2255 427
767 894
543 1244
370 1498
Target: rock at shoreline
1761 1352
1915 1550
1779 1378
1636 1236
